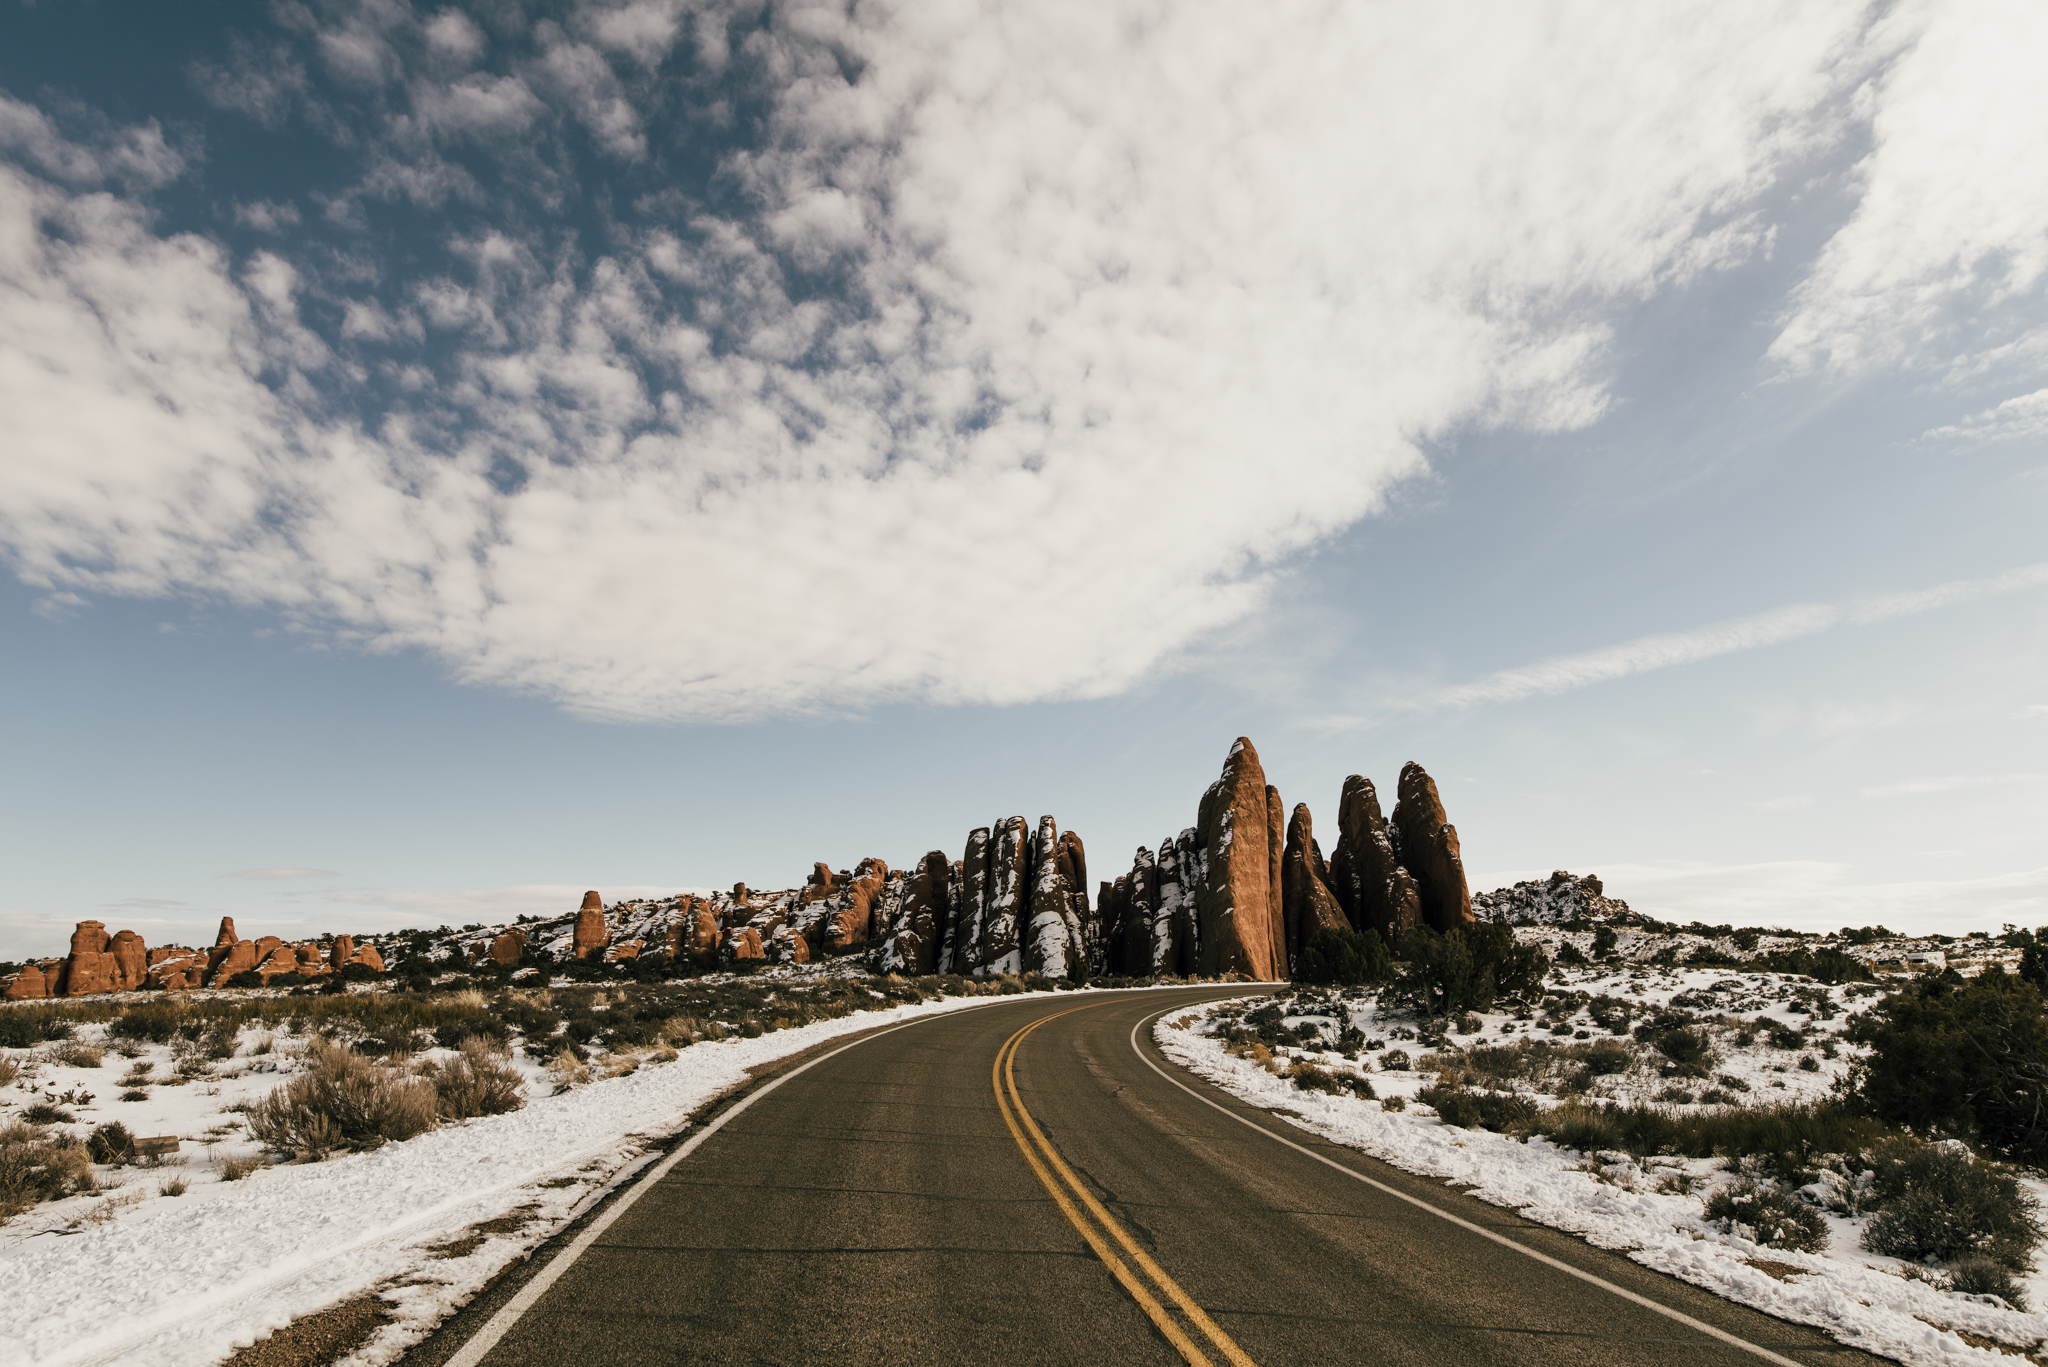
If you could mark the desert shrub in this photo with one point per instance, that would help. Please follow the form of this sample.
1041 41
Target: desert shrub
1968 1059
567 1069
36 1165
235 1169
477 1081
74 1053
1938 1203
154 1022
1689 1051
23 1027
43 1113
1826 964
1467 969
1775 1218
1589 1129
1786 1139
1396 1061
1344 958
1570 955
343 1100
1986 1277
481 1025
1470 1110
111 1143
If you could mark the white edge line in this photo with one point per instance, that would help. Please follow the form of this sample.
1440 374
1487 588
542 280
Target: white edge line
1482 1231
495 1328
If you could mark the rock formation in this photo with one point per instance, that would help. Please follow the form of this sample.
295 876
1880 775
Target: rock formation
922 917
592 934
508 949
1559 900
1306 900
1429 851
1237 914
28 985
964 946
1054 943
1238 893
1377 894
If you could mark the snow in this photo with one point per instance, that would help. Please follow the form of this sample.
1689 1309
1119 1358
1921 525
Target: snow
1640 1208
162 1281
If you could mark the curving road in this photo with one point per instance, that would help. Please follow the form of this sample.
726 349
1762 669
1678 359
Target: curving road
1032 1183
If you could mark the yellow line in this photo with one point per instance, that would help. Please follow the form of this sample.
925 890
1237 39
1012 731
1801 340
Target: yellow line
1005 1077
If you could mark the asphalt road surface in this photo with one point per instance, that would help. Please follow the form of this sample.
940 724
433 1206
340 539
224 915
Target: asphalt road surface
1032 1183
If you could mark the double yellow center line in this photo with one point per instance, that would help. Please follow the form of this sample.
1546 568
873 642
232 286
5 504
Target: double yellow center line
1074 1199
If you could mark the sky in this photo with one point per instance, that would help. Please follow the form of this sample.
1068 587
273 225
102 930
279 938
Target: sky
459 456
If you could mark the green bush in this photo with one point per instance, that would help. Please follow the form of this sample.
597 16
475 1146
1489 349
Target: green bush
1775 1218
1343 958
1968 1059
1467 969
1938 1203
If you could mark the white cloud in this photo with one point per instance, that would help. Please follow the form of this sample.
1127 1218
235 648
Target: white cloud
2023 417
1791 802
1647 653
1951 224
273 874
1921 787
1137 303
1814 895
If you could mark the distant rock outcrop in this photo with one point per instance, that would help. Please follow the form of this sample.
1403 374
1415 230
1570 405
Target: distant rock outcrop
592 934
1560 899
508 949
28 985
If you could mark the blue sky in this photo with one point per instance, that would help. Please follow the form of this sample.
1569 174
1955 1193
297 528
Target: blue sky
460 456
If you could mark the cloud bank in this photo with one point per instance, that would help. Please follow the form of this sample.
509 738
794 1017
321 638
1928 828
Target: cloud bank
766 360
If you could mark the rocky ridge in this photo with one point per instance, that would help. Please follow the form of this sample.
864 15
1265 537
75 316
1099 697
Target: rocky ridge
99 962
1560 899
1238 893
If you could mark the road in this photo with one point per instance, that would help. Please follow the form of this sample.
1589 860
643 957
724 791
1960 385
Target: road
1031 1183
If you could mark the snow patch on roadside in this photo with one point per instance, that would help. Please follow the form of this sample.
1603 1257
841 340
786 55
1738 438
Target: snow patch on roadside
1849 1295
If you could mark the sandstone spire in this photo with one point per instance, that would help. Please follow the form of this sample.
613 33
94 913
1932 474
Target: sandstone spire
1429 851
1236 907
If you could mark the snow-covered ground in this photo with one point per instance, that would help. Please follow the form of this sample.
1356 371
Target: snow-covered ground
135 1275
1652 1209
